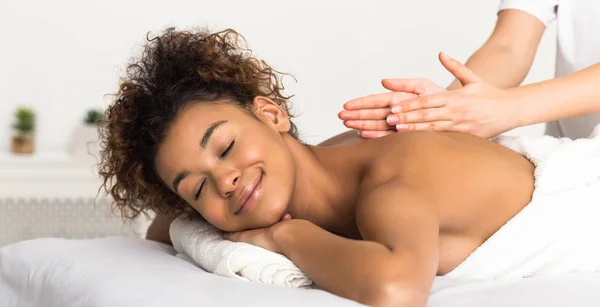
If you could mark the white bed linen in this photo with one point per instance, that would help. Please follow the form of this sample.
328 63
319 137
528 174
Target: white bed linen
127 272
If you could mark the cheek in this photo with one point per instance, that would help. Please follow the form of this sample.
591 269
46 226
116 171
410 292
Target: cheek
259 145
213 211
255 152
281 172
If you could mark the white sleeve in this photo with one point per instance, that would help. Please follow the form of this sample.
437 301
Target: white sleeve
544 10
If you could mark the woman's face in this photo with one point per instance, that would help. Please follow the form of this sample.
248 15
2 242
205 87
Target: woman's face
232 166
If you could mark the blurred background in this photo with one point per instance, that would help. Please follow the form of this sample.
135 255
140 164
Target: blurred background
60 61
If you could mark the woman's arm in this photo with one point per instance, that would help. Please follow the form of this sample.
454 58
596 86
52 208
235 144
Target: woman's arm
394 265
159 228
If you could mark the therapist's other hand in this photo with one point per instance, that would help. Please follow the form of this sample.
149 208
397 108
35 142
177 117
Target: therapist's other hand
476 108
369 114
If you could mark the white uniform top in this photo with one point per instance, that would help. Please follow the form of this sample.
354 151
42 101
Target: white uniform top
578 46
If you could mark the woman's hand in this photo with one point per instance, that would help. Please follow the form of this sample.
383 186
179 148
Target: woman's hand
262 237
477 108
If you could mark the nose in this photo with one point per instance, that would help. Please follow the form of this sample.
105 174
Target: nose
226 180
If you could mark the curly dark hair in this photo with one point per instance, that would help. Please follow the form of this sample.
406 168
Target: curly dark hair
175 69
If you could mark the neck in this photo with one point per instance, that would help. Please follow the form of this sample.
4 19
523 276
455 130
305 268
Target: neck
325 188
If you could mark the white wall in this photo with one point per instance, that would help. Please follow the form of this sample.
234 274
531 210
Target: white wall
61 57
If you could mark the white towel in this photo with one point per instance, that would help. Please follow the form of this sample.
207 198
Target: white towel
204 245
558 231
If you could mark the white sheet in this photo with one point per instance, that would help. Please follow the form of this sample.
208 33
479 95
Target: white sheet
127 272
557 232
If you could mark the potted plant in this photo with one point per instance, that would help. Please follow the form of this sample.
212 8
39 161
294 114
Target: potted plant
85 137
24 126
93 118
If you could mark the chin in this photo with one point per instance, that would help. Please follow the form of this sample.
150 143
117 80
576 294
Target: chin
269 215
273 203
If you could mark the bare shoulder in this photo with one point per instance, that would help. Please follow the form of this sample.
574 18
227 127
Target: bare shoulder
423 158
345 138
394 198
400 154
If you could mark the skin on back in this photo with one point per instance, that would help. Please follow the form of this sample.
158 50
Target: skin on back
476 185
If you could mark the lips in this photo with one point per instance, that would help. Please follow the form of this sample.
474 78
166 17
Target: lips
249 196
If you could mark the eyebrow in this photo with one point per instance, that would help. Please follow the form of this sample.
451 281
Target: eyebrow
205 138
178 179
209 132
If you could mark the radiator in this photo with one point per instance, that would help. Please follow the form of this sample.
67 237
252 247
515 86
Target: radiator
72 218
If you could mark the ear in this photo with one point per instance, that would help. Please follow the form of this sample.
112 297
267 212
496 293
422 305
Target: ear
271 114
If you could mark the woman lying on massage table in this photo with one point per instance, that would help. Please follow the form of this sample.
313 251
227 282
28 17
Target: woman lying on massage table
201 126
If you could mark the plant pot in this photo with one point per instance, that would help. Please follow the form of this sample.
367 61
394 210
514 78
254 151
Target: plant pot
84 141
22 144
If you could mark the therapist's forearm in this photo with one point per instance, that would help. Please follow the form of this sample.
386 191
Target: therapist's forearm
498 65
568 96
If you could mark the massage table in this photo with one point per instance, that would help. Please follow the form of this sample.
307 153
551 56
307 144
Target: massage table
128 272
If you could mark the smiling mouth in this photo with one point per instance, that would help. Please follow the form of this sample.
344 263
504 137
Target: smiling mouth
250 196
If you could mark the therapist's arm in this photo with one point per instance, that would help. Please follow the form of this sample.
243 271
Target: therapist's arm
506 57
568 96
484 110
503 62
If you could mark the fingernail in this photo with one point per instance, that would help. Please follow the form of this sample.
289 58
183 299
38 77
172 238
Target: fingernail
396 109
445 56
393 119
401 126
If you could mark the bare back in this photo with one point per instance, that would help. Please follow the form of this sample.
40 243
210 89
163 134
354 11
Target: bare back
477 185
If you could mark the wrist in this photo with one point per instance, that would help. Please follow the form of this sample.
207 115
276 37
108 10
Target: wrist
284 232
519 108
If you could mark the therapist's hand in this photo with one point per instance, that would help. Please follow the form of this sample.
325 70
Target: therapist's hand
476 108
369 114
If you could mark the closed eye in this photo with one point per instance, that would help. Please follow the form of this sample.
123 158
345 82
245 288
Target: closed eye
199 190
226 151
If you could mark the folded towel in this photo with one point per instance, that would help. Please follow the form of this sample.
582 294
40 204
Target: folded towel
557 232
204 245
